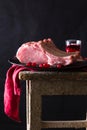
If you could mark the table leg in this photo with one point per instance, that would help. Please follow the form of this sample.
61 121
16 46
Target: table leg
33 107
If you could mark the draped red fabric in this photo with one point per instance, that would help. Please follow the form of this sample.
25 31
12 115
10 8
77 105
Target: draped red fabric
12 92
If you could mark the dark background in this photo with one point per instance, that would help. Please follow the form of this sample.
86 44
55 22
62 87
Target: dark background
26 20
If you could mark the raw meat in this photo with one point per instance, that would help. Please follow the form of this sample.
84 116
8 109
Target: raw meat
45 51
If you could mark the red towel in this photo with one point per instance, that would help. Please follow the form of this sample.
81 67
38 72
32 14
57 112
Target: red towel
12 92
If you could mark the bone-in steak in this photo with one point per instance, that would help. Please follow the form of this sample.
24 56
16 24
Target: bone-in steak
45 51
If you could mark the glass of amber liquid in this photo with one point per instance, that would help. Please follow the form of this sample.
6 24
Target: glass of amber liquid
73 45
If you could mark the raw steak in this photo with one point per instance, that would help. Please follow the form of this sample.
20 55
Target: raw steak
45 51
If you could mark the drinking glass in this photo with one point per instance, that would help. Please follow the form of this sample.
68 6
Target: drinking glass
73 45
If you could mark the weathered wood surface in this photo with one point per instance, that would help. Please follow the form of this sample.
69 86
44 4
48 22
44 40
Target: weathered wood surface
26 75
51 83
57 83
65 124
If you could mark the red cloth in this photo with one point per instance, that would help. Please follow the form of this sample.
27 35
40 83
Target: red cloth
12 92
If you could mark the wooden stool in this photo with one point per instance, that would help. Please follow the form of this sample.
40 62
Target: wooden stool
51 83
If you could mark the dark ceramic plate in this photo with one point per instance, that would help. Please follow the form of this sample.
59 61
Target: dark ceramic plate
77 66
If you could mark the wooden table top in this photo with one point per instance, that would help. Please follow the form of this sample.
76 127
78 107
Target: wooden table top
28 75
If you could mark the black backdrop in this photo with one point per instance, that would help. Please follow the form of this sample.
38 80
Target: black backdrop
26 20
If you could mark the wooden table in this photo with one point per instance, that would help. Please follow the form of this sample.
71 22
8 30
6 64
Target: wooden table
51 83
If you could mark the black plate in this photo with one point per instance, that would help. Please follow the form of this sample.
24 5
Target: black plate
14 60
77 66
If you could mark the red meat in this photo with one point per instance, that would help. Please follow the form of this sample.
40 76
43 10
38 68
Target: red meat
45 51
